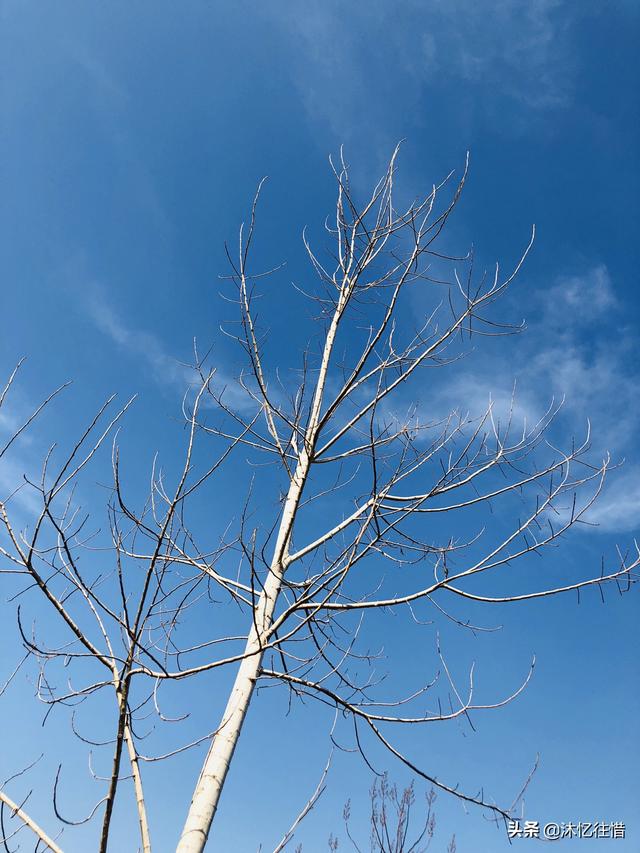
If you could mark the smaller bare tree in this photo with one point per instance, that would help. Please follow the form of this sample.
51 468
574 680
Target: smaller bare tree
395 826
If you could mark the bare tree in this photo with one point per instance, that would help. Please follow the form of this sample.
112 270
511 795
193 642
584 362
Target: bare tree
396 485
393 821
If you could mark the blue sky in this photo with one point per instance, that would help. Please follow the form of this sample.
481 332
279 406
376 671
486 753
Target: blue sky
132 140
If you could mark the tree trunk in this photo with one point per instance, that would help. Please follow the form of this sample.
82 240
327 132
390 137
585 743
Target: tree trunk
207 793
214 772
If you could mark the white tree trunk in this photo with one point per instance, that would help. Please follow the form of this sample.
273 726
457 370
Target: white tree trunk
207 793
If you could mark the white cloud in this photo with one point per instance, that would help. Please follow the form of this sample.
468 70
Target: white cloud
12 482
568 355
148 349
15 463
571 354
341 55
471 394
596 385
618 508
15 411
140 343
513 45
580 298
9 423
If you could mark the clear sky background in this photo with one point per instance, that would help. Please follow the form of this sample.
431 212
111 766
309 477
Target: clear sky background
132 138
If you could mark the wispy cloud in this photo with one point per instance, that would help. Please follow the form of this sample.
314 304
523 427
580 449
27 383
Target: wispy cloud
12 482
580 298
516 47
137 342
148 349
595 384
506 49
472 394
18 461
566 355
10 422
618 508
572 353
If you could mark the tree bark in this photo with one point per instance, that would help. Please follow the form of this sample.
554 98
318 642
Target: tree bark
214 771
